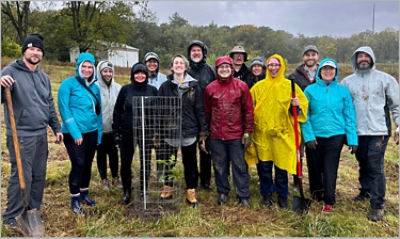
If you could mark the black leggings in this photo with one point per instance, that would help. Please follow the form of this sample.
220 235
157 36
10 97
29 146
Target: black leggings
107 147
81 157
189 165
127 151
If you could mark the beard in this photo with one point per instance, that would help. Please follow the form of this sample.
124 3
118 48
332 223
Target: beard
362 66
29 59
307 63
196 59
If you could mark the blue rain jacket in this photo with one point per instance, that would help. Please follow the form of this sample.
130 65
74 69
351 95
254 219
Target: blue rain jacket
77 105
330 110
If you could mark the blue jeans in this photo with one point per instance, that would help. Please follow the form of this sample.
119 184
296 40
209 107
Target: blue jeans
223 151
267 186
370 157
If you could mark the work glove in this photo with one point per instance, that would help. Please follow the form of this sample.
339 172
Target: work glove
202 142
312 144
246 141
353 149
156 140
396 135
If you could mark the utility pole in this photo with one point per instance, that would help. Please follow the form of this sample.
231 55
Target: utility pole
373 17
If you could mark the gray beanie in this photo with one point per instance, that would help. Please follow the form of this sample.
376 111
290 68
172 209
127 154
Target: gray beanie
258 61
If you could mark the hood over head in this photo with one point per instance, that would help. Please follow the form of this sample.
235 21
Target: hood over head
139 67
224 59
365 49
152 55
101 66
281 72
83 57
203 48
327 62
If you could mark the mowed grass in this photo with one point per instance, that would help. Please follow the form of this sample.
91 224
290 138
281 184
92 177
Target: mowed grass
110 219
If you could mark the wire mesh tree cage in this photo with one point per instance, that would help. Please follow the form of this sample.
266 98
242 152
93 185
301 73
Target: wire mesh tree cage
157 127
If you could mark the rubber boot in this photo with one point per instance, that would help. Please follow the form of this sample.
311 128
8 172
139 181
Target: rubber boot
84 197
191 197
167 192
76 206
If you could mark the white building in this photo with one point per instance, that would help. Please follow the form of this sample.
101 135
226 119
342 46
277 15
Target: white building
119 54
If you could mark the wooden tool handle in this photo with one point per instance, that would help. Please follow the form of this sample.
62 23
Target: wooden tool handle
15 138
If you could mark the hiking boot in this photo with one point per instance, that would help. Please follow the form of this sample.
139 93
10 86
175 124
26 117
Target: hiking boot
362 196
191 197
105 184
116 182
375 215
267 200
282 202
76 206
84 197
244 202
127 198
11 222
167 192
328 208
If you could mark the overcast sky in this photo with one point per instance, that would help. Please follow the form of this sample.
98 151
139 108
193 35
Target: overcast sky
310 18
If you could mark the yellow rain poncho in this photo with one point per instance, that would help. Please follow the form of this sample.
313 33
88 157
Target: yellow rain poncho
273 135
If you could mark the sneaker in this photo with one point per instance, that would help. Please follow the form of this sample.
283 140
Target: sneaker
362 196
328 208
267 200
11 222
222 199
206 186
116 182
105 184
244 202
375 215
282 202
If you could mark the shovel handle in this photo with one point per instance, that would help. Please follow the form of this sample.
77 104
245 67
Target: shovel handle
296 132
15 138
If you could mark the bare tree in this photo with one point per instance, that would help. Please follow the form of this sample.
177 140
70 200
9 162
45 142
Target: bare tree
18 14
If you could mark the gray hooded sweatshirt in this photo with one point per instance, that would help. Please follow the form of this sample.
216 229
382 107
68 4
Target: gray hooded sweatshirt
370 90
108 94
32 101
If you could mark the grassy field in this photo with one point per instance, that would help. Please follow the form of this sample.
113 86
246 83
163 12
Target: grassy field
109 219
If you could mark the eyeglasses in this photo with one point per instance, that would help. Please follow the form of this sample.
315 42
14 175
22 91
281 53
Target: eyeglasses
274 65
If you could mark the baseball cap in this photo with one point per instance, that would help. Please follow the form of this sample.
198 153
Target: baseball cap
310 48
328 63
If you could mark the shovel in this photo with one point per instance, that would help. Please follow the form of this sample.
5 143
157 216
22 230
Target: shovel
29 221
300 204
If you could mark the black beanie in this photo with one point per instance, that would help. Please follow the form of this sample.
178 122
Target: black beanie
33 40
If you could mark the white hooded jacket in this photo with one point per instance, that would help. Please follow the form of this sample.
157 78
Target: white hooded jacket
371 90
108 96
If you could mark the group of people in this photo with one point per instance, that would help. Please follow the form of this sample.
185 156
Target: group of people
237 116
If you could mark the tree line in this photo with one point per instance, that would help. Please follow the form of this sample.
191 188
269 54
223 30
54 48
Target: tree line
83 24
